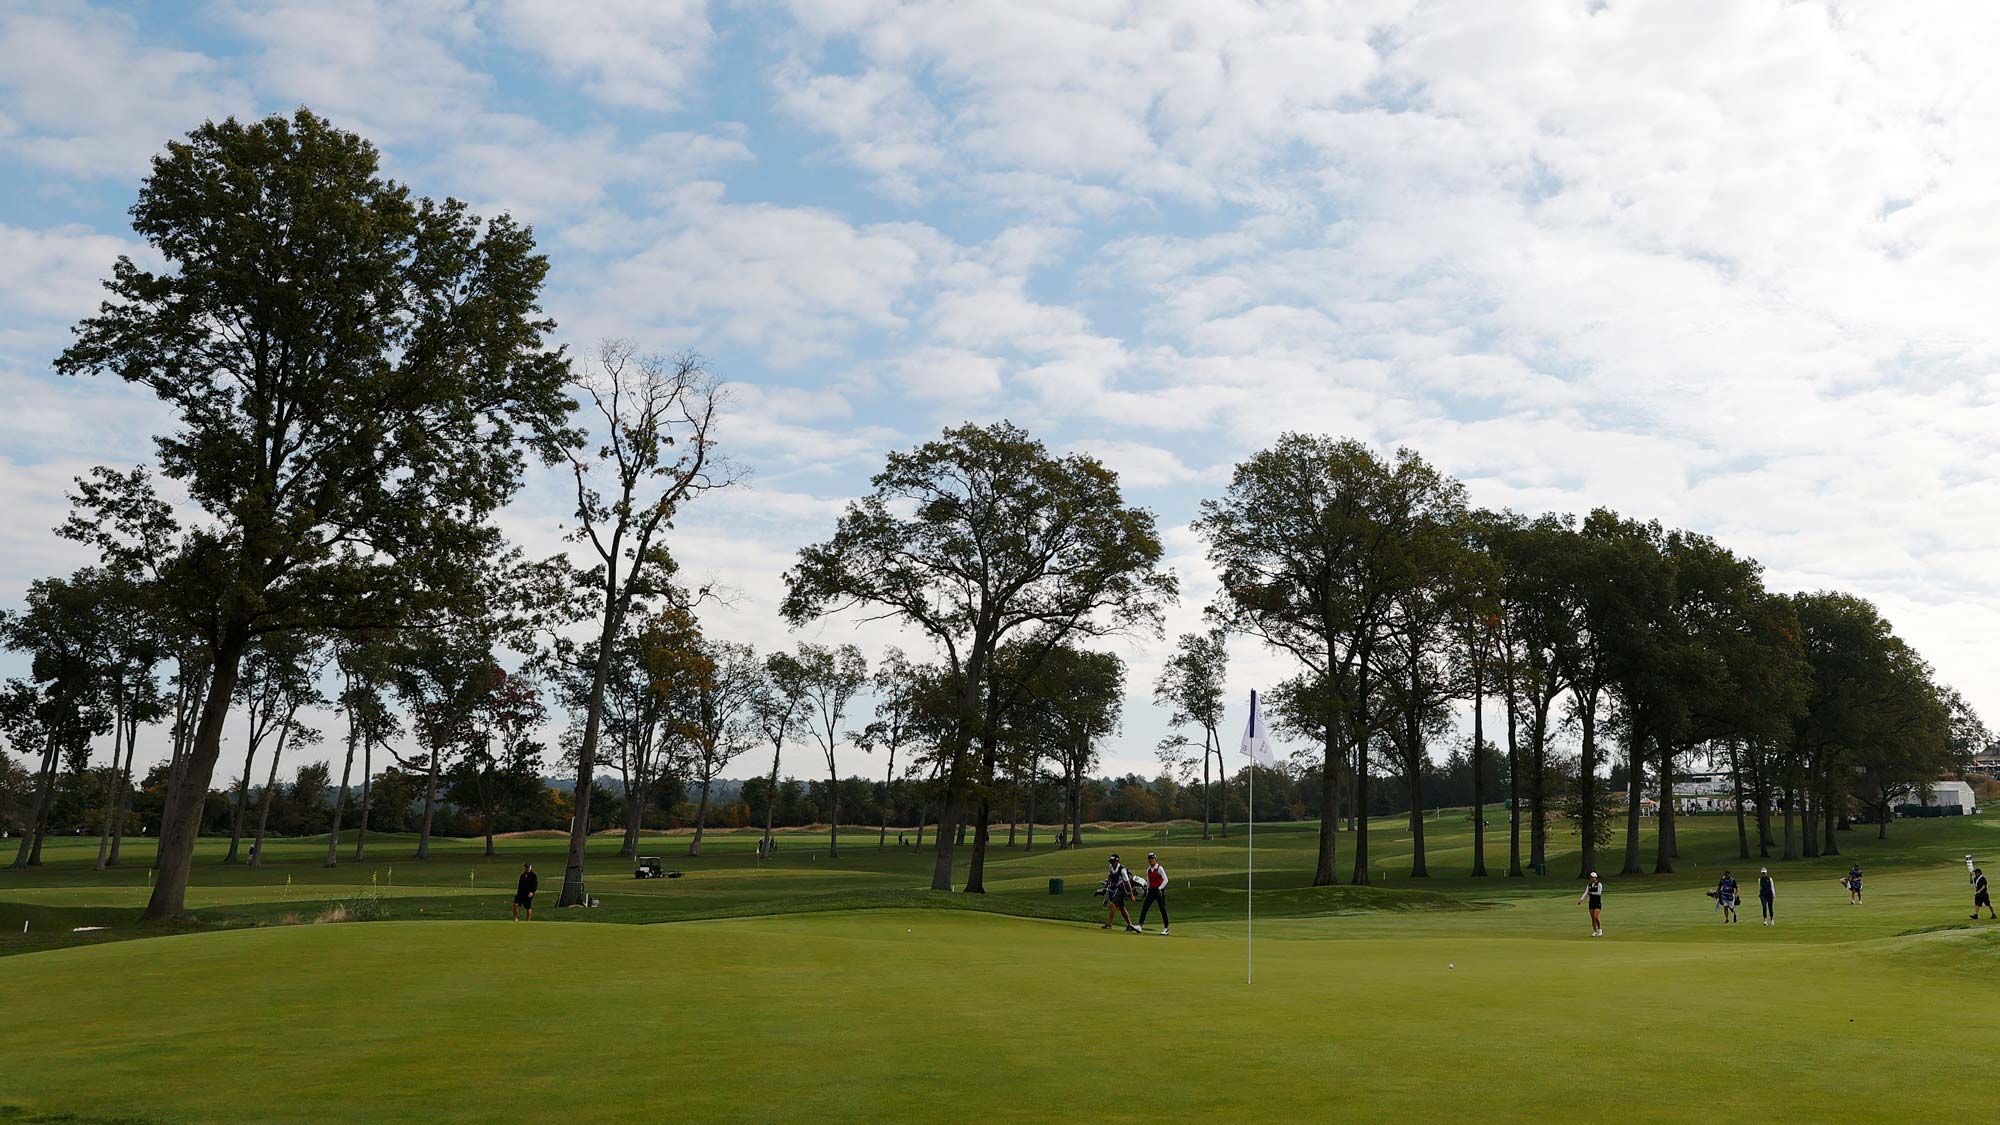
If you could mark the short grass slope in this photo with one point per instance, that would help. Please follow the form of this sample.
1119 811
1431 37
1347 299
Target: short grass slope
831 989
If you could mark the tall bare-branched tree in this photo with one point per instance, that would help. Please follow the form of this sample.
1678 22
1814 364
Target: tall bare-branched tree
654 420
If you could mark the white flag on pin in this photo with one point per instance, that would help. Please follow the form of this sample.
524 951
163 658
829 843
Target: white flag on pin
1256 746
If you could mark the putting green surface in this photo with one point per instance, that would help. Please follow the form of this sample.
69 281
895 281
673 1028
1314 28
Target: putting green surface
1464 998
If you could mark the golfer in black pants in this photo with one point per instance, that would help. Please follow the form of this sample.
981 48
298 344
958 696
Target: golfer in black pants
1156 891
524 892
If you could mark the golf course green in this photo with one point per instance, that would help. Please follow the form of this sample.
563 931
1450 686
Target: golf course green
837 989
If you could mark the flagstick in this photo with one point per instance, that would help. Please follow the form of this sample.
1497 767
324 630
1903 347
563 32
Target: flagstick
1250 897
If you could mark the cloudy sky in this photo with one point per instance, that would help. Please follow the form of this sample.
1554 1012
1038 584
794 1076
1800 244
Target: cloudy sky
1730 265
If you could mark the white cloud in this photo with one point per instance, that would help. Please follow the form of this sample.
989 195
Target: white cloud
81 95
638 53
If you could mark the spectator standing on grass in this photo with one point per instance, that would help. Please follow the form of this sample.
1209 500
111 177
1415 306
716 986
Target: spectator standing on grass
1593 894
1980 896
1853 885
1767 896
1156 891
524 892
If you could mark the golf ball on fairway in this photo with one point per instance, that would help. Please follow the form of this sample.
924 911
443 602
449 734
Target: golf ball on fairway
1453 966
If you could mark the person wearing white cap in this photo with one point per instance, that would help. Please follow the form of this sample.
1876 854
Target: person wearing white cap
1593 893
1767 896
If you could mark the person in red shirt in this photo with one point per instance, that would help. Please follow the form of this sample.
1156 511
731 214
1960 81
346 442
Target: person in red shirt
1156 891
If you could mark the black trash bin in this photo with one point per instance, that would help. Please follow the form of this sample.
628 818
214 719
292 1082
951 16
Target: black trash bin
1055 886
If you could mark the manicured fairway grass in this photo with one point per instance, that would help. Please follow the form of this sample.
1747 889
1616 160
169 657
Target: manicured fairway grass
915 1013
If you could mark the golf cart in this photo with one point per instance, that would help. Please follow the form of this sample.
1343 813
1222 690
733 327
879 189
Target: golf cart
649 868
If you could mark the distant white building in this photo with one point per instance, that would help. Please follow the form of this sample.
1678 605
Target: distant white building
1950 795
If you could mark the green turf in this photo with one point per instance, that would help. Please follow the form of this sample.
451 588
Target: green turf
849 995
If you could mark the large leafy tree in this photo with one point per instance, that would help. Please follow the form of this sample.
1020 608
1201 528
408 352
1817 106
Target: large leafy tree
714 715
776 710
278 679
1072 701
444 673
55 712
351 371
500 768
1190 686
366 664
896 684
977 538
1606 572
832 677
1313 540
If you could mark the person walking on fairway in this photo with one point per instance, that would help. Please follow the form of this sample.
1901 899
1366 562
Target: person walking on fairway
1853 884
1767 896
1156 891
1726 897
524 892
1593 893
1117 891
1980 896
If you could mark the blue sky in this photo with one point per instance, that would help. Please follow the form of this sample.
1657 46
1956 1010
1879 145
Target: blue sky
1724 264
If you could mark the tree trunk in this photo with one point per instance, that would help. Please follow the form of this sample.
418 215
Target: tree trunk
1791 838
833 828
1808 827
430 802
888 799
29 854
1635 793
771 797
1829 817
1221 780
1033 779
1414 762
1478 760
1663 858
119 810
187 702
1586 781
628 843
1764 820
270 789
1538 790
111 784
367 777
586 751
1359 738
1204 784
243 788
340 796
181 823
1742 827
1326 874
975 878
700 820
1513 780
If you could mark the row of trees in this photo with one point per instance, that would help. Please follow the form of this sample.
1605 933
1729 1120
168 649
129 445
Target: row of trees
1408 611
1602 643
359 378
